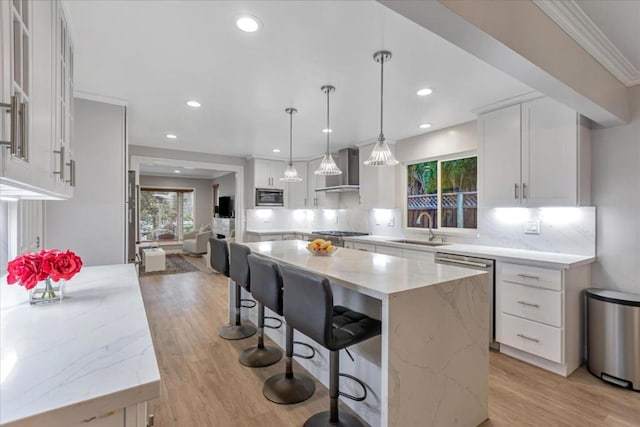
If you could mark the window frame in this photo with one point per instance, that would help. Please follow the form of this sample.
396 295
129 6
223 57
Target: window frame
405 207
179 208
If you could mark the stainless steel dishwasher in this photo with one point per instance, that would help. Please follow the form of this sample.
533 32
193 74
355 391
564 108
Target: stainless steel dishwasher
482 264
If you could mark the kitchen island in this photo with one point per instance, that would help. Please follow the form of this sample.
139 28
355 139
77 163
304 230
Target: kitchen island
88 360
430 365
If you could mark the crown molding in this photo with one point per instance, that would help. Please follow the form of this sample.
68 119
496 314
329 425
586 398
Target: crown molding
503 103
572 19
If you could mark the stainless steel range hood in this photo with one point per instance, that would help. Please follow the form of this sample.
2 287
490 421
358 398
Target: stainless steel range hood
348 160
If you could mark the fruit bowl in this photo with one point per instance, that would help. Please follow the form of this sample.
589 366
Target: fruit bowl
322 252
321 247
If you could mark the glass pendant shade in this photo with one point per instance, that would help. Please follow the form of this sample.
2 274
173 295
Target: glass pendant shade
328 166
291 174
381 155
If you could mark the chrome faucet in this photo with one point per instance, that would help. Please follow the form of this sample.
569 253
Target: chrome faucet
419 221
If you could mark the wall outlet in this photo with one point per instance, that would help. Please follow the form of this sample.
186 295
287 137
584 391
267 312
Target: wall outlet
391 222
532 227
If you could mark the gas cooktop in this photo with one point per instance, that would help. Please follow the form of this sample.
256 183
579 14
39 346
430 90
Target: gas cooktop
339 233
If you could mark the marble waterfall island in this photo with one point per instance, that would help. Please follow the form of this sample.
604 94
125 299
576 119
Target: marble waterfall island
430 366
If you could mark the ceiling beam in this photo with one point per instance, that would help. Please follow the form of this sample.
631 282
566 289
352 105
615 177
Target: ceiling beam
522 41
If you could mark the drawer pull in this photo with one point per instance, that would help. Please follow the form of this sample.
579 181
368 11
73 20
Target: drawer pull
528 338
528 304
527 276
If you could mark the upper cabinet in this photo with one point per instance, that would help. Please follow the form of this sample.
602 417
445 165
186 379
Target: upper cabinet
377 184
31 48
267 173
298 192
320 199
534 154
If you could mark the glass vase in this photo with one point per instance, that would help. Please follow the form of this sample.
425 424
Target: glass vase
47 291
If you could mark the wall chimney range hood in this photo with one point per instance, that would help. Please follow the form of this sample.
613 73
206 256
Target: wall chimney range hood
348 160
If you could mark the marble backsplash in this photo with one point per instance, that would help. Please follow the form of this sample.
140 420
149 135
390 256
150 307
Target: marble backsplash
566 230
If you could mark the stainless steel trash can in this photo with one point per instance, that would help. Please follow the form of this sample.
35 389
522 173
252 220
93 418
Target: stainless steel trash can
613 337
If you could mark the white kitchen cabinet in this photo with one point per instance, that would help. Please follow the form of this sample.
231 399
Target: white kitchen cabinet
377 184
534 154
539 315
320 199
389 250
267 173
298 192
30 51
366 247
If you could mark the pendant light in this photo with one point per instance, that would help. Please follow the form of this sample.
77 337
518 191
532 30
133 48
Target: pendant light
290 173
381 155
328 166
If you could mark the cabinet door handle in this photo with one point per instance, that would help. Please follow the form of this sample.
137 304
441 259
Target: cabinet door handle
527 276
528 338
516 193
11 110
72 173
23 148
524 190
529 304
305 201
60 172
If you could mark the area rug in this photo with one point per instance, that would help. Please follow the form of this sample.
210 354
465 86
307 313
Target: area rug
175 263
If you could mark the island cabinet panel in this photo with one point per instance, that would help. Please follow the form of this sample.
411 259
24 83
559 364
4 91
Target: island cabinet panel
538 314
534 154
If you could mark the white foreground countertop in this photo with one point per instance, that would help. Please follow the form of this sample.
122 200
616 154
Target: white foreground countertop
376 275
524 256
63 363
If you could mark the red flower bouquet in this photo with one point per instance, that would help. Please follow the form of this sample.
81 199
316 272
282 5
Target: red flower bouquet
48 265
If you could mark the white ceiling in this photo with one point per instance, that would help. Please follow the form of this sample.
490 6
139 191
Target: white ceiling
166 169
159 54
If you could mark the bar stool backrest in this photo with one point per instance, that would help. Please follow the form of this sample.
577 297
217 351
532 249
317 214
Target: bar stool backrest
266 283
219 256
308 304
239 269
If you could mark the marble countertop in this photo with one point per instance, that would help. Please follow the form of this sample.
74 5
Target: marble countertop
66 362
283 231
529 257
375 275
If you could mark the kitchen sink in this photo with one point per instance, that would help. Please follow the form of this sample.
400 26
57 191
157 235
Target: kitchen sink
419 242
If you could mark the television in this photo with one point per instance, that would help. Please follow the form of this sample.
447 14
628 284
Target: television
225 209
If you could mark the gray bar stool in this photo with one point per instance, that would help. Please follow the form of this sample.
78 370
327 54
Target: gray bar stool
289 387
308 307
220 263
266 288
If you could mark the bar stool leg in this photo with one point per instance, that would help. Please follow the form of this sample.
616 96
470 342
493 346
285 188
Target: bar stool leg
237 331
290 387
260 356
333 417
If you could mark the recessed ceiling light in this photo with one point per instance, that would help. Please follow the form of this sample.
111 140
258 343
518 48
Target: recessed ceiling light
194 104
248 24
170 136
424 92
325 130
425 126
176 171
276 150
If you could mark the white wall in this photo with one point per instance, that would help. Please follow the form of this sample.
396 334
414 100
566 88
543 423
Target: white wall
616 193
203 193
227 186
92 224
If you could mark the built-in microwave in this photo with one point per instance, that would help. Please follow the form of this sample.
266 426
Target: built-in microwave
269 197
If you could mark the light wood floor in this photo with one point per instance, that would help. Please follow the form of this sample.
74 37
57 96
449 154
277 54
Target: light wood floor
204 385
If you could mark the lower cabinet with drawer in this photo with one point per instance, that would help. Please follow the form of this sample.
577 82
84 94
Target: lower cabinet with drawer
539 315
